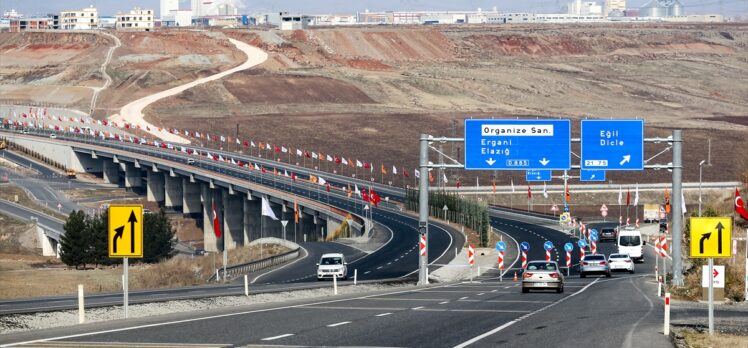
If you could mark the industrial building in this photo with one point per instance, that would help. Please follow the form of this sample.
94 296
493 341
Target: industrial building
662 8
294 22
85 19
136 19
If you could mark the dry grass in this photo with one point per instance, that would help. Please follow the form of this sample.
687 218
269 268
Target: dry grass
14 236
694 339
27 276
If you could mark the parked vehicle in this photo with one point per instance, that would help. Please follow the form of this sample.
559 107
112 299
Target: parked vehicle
543 275
332 265
594 264
630 242
621 262
651 212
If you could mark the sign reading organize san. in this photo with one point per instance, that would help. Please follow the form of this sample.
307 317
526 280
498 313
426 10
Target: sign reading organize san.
517 144
612 144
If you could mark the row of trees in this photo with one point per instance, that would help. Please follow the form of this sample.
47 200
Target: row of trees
467 212
86 239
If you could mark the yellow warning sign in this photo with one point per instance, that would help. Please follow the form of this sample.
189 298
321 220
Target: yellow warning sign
711 237
125 231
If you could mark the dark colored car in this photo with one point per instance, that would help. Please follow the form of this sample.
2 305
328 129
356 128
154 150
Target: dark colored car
608 233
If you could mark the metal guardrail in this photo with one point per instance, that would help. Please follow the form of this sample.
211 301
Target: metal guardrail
253 266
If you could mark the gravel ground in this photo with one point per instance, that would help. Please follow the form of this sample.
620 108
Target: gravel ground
729 318
27 322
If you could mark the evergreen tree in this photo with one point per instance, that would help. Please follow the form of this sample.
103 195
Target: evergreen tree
96 228
75 243
158 237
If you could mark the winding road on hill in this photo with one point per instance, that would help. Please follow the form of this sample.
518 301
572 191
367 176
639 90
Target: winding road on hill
133 112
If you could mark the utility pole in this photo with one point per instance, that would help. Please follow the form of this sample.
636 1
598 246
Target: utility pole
423 209
677 208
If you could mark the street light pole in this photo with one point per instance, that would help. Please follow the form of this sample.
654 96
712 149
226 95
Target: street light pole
701 167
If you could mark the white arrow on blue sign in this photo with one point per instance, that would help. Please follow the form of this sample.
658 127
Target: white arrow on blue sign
548 245
538 175
591 175
517 144
525 246
582 243
500 246
612 144
568 247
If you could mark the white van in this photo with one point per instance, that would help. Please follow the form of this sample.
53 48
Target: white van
332 265
630 242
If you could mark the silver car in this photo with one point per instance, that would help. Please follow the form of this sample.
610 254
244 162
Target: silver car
542 275
594 264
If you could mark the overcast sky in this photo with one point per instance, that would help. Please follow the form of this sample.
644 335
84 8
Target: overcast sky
110 7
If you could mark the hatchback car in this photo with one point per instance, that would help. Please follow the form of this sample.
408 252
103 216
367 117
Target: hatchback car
621 262
332 266
542 275
594 264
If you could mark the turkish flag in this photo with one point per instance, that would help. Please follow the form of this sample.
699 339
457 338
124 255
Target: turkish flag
628 198
365 196
216 222
327 187
739 208
405 173
529 192
458 183
374 197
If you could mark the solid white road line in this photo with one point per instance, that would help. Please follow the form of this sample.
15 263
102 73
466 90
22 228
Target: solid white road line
276 337
338 324
382 315
508 324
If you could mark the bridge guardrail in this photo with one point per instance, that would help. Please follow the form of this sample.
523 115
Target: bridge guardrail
258 264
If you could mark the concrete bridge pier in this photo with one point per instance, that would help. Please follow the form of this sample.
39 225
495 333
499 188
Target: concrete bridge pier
233 219
209 238
49 246
191 203
133 177
155 187
252 208
110 171
173 191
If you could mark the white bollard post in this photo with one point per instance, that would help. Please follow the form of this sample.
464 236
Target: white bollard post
455 252
304 237
81 306
355 276
666 328
478 275
659 287
246 286
335 285
218 276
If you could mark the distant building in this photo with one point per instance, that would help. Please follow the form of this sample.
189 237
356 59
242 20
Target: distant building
85 19
614 5
166 7
294 22
586 8
342 19
137 19
17 25
108 22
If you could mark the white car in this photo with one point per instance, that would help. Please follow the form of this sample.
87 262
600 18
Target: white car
332 265
621 262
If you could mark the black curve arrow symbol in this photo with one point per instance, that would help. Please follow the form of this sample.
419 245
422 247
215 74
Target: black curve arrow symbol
132 220
117 235
701 242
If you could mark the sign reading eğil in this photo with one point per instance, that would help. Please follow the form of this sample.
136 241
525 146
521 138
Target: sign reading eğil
125 231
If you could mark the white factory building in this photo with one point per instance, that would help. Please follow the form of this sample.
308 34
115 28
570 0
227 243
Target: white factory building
85 19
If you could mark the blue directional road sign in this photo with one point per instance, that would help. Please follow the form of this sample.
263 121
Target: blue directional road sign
612 144
568 247
538 175
500 246
582 243
591 175
593 237
548 245
517 144
525 246
593 232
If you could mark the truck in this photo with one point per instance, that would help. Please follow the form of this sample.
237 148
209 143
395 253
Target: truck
70 173
651 212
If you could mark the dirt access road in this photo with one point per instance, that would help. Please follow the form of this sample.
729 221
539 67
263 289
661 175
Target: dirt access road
133 112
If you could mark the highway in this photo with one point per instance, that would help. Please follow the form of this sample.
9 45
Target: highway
617 312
